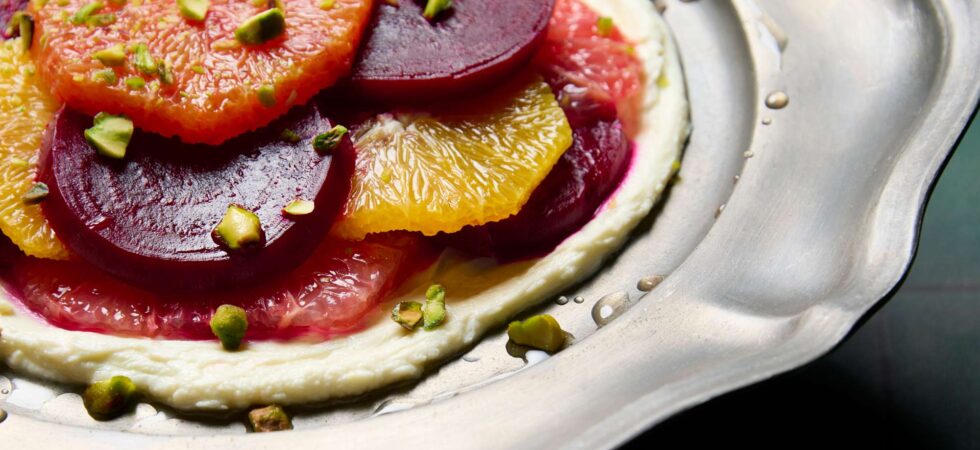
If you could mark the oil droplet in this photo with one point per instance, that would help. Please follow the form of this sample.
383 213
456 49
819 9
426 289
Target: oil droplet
748 154
393 406
647 284
767 120
3 415
469 358
777 100
737 177
720 210
579 299
610 307
562 300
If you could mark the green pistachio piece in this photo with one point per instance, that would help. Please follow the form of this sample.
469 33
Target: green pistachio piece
110 135
262 27
326 4
108 399
267 95
112 57
326 142
541 332
434 7
239 229
434 311
166 72
82 15
229 324
107 76
36 194
194 9
270 418
101 20
407 314
26 28
143 60
290 136
13 27
604 26
298 208
135 83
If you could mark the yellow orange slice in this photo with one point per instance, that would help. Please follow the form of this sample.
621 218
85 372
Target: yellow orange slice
441 170
26 107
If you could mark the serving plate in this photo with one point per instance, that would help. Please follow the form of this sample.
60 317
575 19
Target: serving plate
819 127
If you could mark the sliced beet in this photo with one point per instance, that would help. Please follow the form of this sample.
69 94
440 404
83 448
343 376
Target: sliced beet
405 57
587 173
148 218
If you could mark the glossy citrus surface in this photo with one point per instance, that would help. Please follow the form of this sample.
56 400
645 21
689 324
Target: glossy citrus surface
441 170
214 93
25 110
581 55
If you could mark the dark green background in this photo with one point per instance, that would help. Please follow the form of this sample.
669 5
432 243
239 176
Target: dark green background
908 377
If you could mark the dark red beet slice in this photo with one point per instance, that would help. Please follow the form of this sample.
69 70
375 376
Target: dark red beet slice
569 196
148 219
405 57
330 293
7 9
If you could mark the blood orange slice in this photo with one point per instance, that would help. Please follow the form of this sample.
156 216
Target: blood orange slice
330 293
207 87
585 52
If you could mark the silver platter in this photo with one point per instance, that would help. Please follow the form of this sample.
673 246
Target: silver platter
763 274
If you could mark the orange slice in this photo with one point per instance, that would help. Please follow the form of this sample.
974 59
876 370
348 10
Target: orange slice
441 170
26 107
218 88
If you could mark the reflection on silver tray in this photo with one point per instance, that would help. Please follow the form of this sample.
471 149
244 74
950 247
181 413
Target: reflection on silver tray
819 128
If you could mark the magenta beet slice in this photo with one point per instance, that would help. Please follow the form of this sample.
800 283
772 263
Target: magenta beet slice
7 9
148 219
405 57
587 173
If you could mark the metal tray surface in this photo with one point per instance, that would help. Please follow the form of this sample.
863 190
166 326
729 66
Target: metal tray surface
789 222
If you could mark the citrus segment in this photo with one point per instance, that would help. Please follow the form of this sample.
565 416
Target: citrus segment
25 110
193 79
585 52
330 293
441 170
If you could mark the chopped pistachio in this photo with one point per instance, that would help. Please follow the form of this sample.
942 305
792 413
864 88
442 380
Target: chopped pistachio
267 95
143 60
225 44
194 9
198 69
101 20
19 162
270 418
541 332
326 4
239 229
62 2
278 4
113 56
107 76
135 83
299 208
166 72
434 311
110 135
262 27
108 399
36 194
13 27
229 324
326 142
290 136
434 7
407 314
26 28
603 26
82 15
